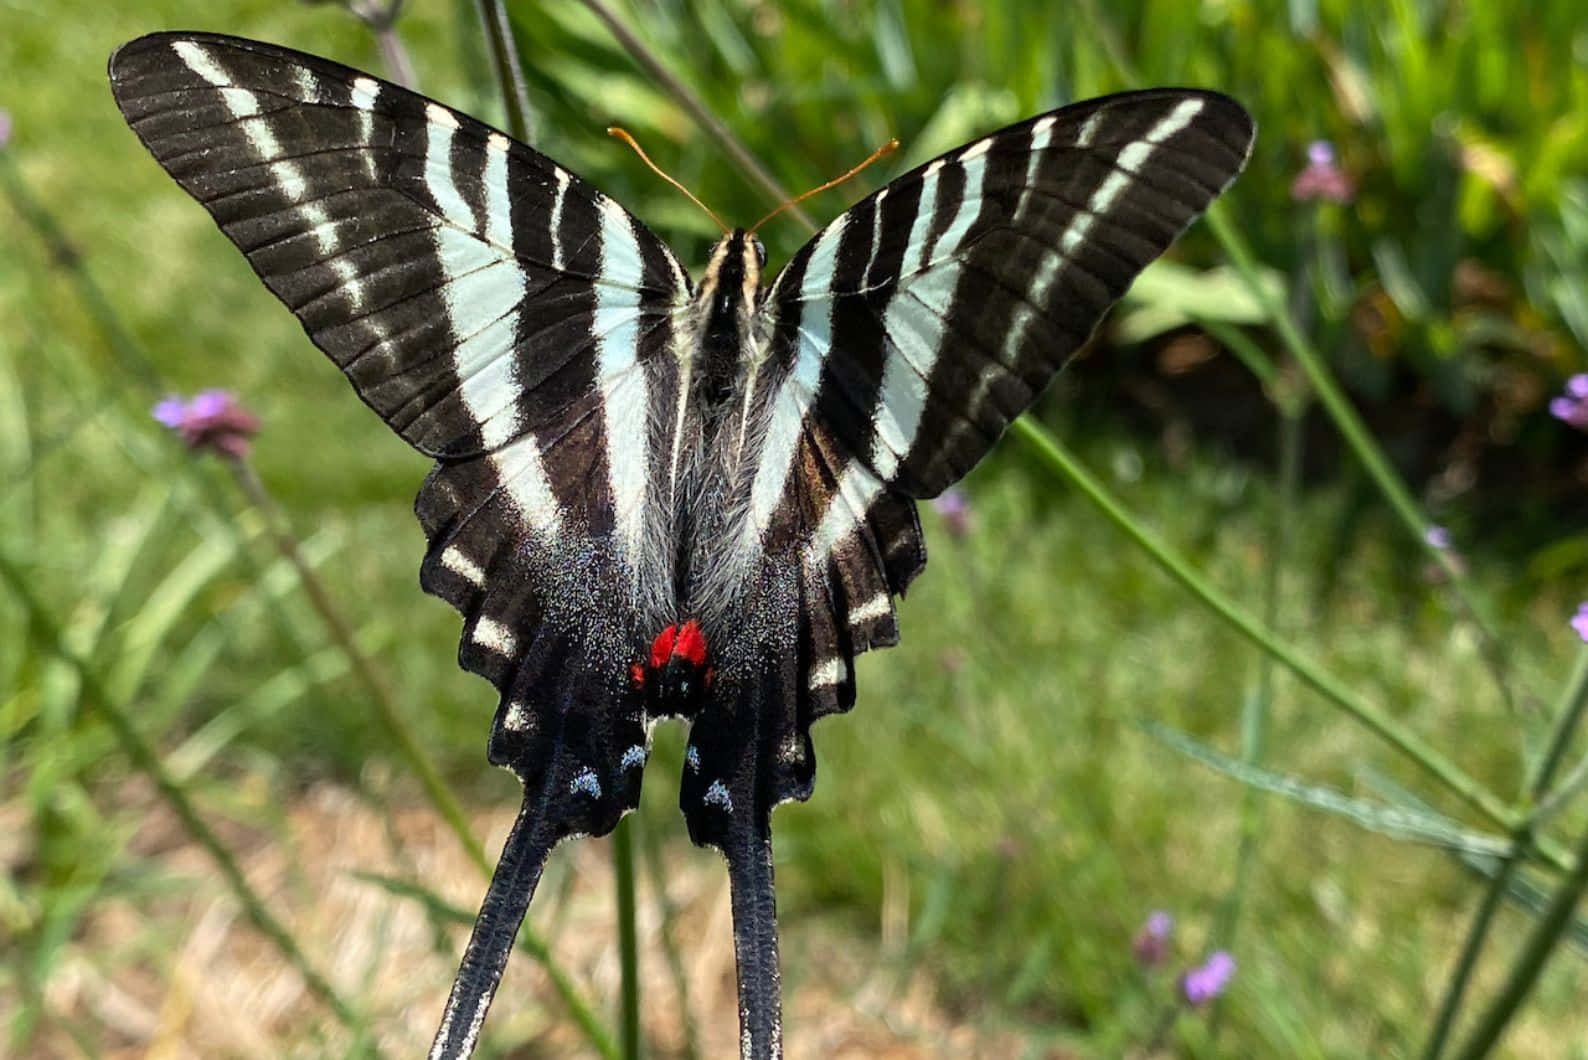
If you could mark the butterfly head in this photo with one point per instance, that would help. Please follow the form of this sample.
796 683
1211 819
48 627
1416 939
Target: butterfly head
725 311
677 672
733 274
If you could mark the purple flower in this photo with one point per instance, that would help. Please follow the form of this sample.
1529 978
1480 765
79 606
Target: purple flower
954 507
1437 537
1207 981
1323 178
5 127
1579 621
1572 406
1152 941
213 419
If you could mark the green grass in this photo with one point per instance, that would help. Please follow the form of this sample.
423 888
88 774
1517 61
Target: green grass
995 782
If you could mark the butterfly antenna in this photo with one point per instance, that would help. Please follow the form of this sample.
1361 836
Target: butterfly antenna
506 900
881 152
623 134
748 850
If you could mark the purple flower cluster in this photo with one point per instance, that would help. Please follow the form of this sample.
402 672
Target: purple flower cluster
954 507
213 419
1209 979
1323 178
5 127
1152 941
1201 983
1579 622
1572 406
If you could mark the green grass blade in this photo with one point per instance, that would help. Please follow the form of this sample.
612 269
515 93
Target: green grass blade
1392 821
147 762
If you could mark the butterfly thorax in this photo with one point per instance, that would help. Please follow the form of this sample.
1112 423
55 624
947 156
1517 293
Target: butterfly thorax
716 351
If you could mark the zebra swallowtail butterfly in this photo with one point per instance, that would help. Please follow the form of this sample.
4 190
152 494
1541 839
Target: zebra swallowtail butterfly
654 496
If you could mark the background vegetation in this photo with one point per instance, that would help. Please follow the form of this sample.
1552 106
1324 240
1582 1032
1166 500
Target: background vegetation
1037 767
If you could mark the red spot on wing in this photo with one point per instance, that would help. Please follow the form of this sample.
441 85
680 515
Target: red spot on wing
662 647
637 676
691 644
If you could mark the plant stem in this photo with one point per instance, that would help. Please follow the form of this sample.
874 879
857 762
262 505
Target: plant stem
1361 443
1386 727
144 758
697 109
1568 714
1547 931
394 56
62 253
656 876
408 746
1255 711
504 63
628 938
1471 948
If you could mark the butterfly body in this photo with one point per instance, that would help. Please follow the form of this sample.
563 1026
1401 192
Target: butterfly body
655 497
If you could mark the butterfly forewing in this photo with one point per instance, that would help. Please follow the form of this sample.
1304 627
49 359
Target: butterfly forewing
903 339
499 314
950 298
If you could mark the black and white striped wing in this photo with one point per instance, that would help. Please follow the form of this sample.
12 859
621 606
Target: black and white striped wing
494 309
503 317
908 334
893 350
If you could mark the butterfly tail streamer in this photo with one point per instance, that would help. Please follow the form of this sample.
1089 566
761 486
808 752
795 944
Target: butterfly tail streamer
524 854
749 854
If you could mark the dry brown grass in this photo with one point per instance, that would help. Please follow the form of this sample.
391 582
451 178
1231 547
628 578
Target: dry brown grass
170 968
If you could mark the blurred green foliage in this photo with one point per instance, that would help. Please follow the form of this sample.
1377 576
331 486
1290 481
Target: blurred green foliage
993 770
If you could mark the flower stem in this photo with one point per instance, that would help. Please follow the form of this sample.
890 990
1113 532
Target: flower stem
1568 714
1388 728
1255 711
1160 1030
408 746
1361 443
509 71
628 938
1547 932
656 877
144 758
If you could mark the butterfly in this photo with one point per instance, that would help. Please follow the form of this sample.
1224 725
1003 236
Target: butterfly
656 496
